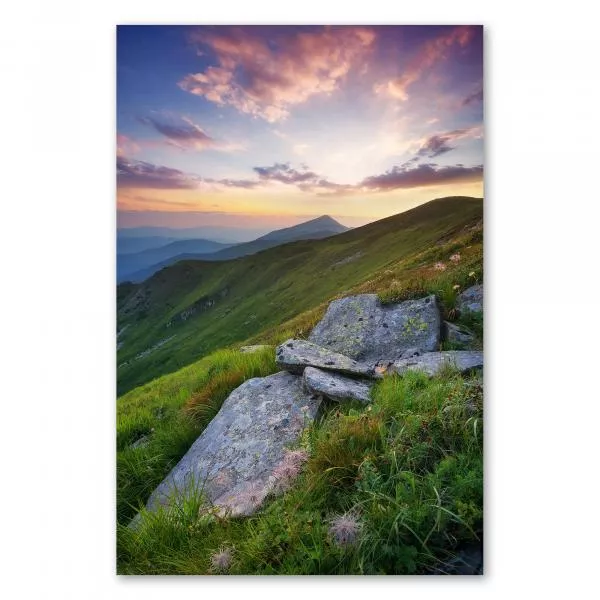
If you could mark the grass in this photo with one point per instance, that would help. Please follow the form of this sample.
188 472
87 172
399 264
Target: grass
408 469
190 309
168 414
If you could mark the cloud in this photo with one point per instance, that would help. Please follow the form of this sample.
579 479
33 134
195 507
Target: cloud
431 53
265 77
187 135
126 146
144 175
440 143
474 98
140 174
246 184
284 173
403 177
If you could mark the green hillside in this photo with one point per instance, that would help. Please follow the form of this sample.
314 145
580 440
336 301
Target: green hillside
192 308
411 463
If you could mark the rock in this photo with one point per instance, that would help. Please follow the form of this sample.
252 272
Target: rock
433 362
363 329
410 352
140 442
471 300
336 387
296 355
457 335
254 348
233 460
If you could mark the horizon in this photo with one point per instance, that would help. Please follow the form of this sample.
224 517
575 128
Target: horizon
266 127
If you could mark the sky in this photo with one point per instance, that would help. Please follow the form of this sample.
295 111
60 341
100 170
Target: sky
269 126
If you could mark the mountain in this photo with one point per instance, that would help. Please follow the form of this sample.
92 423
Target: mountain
226 235
131 245
188 309
318 228
127 264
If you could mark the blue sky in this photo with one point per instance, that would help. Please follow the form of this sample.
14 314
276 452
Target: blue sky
271 125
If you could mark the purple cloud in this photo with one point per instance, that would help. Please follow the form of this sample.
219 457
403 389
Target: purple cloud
402 177
140 174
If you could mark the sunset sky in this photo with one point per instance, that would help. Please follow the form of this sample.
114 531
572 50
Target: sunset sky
268 126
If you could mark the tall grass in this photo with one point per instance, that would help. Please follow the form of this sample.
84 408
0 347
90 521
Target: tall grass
166 415
408 468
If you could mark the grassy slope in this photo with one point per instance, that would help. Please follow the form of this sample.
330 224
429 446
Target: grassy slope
409 468
172 410
255 293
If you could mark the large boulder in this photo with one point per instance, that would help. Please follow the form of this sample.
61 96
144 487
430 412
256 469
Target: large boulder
363 329
470 300
432 363
296 355
233 461
336 387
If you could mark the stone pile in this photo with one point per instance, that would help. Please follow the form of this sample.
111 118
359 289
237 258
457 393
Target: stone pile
238 459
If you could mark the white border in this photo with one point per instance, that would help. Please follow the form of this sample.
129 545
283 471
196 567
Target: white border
57 303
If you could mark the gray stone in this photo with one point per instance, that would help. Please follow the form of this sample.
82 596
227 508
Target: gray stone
232 461
362 328
336 387
253 348
140 442
457 335
471 300
296 355
433 362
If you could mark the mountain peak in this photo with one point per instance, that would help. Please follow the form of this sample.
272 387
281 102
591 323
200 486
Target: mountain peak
324 219
318 226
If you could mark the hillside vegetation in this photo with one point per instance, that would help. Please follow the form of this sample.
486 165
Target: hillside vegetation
406 470
193 307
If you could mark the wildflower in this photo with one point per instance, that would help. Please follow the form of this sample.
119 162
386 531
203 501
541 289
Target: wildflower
284 474
439 266
221 561
455 257
296 457
455 287
304 409
472 274
344 529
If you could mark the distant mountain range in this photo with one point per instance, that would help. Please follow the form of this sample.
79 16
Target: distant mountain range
226 235
127 264
191 308
137 267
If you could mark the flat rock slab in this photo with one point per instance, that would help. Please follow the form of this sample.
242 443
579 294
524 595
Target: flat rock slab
432 363
232 462
296 355
336 387
363 329
471 300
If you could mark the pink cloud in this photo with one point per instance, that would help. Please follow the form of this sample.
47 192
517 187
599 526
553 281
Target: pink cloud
126 146
431 53
264 78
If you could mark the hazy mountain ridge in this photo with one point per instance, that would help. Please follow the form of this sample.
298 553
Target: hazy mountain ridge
137 268
213 304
